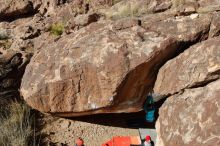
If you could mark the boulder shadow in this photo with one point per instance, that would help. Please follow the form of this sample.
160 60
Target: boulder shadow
123 120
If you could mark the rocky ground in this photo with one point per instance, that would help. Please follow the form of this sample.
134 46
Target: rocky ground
94 130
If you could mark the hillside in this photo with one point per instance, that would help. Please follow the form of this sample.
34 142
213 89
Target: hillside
74 58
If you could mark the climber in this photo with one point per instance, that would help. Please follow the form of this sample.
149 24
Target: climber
79 142
149 108
148 141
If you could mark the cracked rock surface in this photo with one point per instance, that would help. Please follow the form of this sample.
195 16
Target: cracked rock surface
105 76
190 116
196 66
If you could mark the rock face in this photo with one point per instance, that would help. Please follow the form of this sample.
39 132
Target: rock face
106 76
191 118
109 65
215 26
191 115
184 29
103 56
197 66
11 9
13 60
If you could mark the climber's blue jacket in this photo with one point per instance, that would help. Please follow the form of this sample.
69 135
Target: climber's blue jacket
149 109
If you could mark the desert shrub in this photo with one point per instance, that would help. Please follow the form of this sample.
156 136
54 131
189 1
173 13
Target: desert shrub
5 41
57 29
16 125
5 44
125 10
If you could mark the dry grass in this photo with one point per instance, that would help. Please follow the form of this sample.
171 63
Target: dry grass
4 35
16 125
126 9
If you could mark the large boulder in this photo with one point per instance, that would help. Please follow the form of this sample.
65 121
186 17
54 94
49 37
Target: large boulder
99 69
119 60
12 9
184 28
197 66
190 116
9 10
108 66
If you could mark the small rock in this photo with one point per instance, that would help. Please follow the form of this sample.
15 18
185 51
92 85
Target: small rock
194 16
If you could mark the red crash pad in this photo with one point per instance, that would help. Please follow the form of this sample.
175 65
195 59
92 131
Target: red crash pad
123 141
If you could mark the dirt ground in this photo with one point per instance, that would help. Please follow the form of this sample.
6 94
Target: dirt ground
94 129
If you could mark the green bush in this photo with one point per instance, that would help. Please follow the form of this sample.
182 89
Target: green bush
16 125
57 29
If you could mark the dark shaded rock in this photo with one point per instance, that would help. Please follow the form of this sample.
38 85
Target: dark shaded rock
10 10
12 64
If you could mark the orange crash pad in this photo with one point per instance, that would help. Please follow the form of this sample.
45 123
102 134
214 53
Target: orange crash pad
123 141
